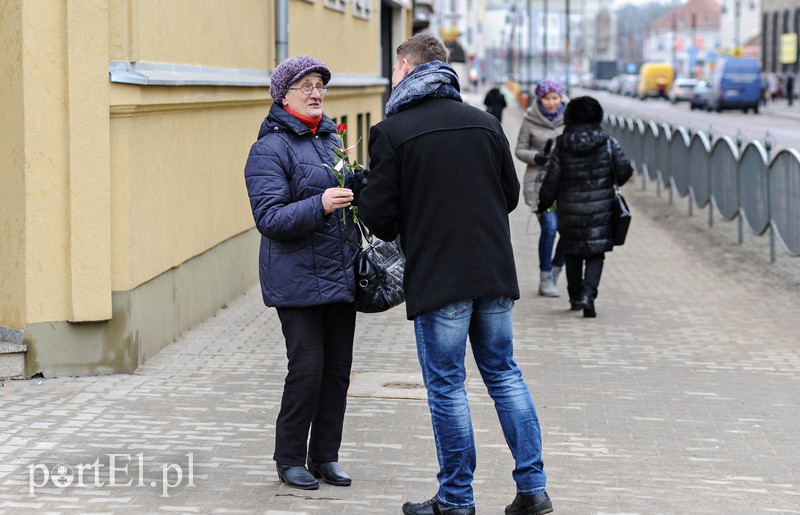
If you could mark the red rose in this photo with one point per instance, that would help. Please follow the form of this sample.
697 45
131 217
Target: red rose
341 128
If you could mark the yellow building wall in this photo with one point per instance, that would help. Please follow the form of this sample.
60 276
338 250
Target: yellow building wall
12 167
124 216
346 43
229 33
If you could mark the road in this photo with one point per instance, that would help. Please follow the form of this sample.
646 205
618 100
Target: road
783 132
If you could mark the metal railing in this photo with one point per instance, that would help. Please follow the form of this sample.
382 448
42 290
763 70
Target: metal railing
739 181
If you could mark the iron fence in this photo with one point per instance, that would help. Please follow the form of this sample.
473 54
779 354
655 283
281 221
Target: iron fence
739 181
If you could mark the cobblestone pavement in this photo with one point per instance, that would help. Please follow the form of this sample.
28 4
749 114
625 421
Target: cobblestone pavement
681 397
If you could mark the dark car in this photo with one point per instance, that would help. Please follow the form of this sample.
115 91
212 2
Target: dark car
699 98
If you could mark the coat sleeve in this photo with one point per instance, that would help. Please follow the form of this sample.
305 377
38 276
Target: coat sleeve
379 202
277 213
524 150
622 165
551 182
509 179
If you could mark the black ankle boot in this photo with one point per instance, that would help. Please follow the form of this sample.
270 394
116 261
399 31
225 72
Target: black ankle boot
587 303
297 477
330 472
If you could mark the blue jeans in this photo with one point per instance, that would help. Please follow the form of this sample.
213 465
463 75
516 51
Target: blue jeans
549 225
441 348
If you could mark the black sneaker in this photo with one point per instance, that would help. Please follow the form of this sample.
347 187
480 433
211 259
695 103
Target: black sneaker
434 507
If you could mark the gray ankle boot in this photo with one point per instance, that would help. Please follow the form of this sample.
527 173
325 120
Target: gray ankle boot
547 287
555 273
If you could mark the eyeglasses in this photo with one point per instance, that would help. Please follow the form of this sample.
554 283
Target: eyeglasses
308 88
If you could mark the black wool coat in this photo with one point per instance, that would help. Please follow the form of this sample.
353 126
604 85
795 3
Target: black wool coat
442 178
579 177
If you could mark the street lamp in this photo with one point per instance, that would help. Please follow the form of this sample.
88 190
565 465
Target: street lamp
737 16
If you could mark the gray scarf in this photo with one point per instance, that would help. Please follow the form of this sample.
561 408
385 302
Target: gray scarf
434 79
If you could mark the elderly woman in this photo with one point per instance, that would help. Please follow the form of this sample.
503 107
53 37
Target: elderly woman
543 121
306 269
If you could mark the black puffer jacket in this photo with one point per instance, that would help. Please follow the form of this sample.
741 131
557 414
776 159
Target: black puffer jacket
579 178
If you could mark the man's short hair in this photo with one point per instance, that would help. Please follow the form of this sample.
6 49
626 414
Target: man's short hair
422 48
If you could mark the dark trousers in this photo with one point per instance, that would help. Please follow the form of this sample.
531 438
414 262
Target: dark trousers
319 346
583 274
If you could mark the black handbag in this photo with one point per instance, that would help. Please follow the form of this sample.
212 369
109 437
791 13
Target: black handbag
379 274
621 213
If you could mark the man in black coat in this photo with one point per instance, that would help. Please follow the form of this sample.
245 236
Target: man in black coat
443 179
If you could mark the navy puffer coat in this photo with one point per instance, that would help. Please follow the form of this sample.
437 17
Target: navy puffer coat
306 257
579 177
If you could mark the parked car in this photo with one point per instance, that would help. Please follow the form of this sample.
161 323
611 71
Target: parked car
699 98
614 84
629 84
682 90
735 84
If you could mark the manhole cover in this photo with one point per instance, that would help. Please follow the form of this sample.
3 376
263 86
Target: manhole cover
403 386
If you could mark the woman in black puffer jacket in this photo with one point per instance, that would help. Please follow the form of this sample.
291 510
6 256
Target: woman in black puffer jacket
580 177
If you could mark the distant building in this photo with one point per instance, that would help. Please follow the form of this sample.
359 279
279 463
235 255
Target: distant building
529 39
687 36
780 26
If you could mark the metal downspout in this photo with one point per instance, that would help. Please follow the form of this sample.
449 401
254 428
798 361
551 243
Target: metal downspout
281 30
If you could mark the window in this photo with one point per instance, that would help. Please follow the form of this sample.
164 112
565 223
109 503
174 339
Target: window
362 8
338 5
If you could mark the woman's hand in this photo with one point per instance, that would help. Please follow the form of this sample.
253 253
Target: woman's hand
336 198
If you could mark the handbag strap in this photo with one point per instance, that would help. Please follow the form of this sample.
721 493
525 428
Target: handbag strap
611 163
364 231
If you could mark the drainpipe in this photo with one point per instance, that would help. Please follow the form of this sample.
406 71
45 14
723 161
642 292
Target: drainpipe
281 30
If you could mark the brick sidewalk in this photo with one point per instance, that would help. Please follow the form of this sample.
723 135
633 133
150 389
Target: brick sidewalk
681 397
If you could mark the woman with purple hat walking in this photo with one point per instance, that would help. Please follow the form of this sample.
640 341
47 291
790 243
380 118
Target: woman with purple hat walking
306 268
543 122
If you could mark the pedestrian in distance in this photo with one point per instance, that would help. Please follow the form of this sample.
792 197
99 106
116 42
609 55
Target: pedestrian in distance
542 123
495 102
581 172
442 177
306 269
790 88
773 86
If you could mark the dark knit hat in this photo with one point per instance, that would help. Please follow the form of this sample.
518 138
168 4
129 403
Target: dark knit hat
291 70
582 111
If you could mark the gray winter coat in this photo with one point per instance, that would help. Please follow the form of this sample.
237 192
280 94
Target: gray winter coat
533 134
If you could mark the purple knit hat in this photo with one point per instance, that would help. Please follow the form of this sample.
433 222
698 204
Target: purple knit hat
291 70
546 86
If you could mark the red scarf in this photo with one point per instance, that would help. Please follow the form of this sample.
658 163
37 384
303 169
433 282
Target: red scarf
311 123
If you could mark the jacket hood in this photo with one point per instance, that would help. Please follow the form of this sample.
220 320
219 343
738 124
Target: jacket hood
582 139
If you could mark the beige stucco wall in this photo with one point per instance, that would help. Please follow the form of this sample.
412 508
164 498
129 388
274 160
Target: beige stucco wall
177 175
346 43
124 217
12 166
231 33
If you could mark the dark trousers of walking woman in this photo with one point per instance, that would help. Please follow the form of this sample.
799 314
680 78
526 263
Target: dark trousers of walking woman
319 346
583 275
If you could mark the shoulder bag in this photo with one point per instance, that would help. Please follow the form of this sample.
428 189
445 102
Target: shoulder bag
379 274
621 213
